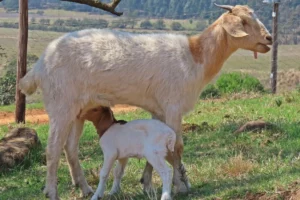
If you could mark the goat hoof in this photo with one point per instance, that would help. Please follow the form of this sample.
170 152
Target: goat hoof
95 197
166 197
88 192
50 194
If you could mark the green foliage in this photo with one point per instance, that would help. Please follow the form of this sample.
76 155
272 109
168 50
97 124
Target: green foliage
40 12
278 102
8 81
201 25
210 92
7 88
61 25
146 24
159 24
238 82
176 26
119 24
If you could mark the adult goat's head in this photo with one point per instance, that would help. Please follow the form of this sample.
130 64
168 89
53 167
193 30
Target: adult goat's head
246 30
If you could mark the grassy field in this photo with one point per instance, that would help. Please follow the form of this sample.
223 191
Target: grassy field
220 164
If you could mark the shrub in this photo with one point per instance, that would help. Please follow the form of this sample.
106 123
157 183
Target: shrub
8 81
210 91
176 26
237 82
146 24
160 24
119 24
201 25
7 88
40 12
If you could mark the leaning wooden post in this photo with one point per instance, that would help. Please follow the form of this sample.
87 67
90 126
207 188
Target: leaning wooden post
22 59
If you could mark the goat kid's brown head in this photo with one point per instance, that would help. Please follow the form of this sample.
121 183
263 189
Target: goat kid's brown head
241 23
102 118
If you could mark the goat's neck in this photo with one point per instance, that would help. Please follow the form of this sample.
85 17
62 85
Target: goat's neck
100 129
211 49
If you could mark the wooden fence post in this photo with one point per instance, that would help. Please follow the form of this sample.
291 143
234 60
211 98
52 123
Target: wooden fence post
22 59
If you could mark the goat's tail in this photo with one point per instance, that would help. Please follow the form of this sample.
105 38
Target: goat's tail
29 83
171 141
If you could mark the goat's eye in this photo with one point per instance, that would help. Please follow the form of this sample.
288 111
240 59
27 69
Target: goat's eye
95 110
244 22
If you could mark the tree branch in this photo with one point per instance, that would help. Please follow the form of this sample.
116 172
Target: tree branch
109 7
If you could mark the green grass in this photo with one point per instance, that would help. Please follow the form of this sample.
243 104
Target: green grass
11 108
268 159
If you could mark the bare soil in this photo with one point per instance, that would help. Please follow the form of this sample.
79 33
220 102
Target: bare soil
291 193
40 116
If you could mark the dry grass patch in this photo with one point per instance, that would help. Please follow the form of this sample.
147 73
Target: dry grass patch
237 166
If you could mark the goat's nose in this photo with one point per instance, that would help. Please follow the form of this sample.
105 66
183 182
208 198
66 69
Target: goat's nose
269 38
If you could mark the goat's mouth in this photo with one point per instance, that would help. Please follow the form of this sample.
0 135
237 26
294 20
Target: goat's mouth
260 48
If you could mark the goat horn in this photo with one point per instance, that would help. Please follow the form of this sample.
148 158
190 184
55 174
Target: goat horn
226 7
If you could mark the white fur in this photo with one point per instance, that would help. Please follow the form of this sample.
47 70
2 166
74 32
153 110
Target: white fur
150 139
156 72
89 68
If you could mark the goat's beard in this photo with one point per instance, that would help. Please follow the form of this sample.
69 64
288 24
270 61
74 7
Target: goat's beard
255 54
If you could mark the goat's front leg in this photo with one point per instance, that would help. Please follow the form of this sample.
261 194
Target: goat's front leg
71 151
59 130
107 165
118 174
180 179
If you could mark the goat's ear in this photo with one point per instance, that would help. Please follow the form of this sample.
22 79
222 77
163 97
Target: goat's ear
233 26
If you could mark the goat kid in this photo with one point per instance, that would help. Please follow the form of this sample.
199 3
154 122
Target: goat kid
150 139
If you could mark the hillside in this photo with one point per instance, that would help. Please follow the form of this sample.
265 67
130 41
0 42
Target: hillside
185 9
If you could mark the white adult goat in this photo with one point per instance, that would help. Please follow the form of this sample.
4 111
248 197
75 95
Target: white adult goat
161 73
150 139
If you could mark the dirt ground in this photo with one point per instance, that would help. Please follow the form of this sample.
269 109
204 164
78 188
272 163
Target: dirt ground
291 193
40 116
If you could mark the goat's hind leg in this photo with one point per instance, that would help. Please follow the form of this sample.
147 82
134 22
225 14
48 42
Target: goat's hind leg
59 130
118 174
71 151
160 165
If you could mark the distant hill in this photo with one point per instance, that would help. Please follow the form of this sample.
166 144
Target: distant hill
181 9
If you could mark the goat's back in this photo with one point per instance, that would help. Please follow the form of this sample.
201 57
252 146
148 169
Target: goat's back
118 68
138 136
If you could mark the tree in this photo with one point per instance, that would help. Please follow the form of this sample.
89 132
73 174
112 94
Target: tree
160 24
146 24
200 25
176 26
109 7
33 20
